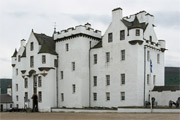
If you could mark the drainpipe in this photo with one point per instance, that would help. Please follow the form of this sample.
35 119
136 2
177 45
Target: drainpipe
89 75
57 89
144 73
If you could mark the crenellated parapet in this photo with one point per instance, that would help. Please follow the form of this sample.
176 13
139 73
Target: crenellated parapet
85 30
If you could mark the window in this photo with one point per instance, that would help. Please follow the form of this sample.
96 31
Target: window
107 56
62 76
40 96
148 78
17 98
62 96
154 79
107 96
31 61
150 38
107 79
19 58
73 66
26 97
67 47
148 56
95 80
43 59
32 46
16 87
55 63
137 32
122 79
110 37
16 71
158 58
73 88
122 95
95 58
122 35
95 96
25 83
39 81
122 54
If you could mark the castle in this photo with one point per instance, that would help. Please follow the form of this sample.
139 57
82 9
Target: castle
78 67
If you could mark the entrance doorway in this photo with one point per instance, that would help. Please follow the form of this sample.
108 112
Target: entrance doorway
1 107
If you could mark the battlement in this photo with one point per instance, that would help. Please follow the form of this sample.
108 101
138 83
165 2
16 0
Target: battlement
80 29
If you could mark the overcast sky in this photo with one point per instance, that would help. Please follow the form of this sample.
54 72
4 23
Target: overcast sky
19 17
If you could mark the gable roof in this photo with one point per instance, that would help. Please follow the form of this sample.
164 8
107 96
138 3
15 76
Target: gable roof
134 24
15 53
5 98
47 43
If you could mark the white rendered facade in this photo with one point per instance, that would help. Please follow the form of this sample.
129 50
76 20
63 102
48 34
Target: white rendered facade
94 70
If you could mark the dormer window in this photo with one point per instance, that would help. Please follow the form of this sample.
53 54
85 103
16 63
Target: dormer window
110 37
32 46
137 32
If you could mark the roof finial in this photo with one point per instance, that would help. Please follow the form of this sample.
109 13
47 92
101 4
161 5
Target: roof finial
54 27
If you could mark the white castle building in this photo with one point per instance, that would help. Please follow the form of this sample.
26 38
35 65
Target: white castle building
78 67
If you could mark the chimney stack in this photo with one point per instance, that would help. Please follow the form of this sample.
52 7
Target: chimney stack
23 41
116 14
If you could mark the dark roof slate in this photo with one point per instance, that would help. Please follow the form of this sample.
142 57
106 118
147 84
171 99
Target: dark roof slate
134 24
47 43
24 52
166 88
98 45
15 53
5 98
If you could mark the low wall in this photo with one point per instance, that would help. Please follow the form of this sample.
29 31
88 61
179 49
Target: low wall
119 110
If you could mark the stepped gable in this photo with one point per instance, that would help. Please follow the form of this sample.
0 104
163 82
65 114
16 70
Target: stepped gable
47 43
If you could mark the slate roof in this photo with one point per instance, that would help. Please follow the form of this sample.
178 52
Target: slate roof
166 88
134 24
47 43
98 45
15 53
5 98
24 52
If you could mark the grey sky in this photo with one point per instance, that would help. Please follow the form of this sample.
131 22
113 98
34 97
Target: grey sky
19 17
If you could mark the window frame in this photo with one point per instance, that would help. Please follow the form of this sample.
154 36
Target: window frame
122 34
110 37
73 66
26 83
67 47
108 98
123 96
123 55
94 81
107 57
108 80
95 58
39 81
31 61
137 32
73 88
94 96
62 97
31 46
40 96
43 59
123 79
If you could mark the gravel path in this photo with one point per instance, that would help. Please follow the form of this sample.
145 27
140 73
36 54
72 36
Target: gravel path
88 116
